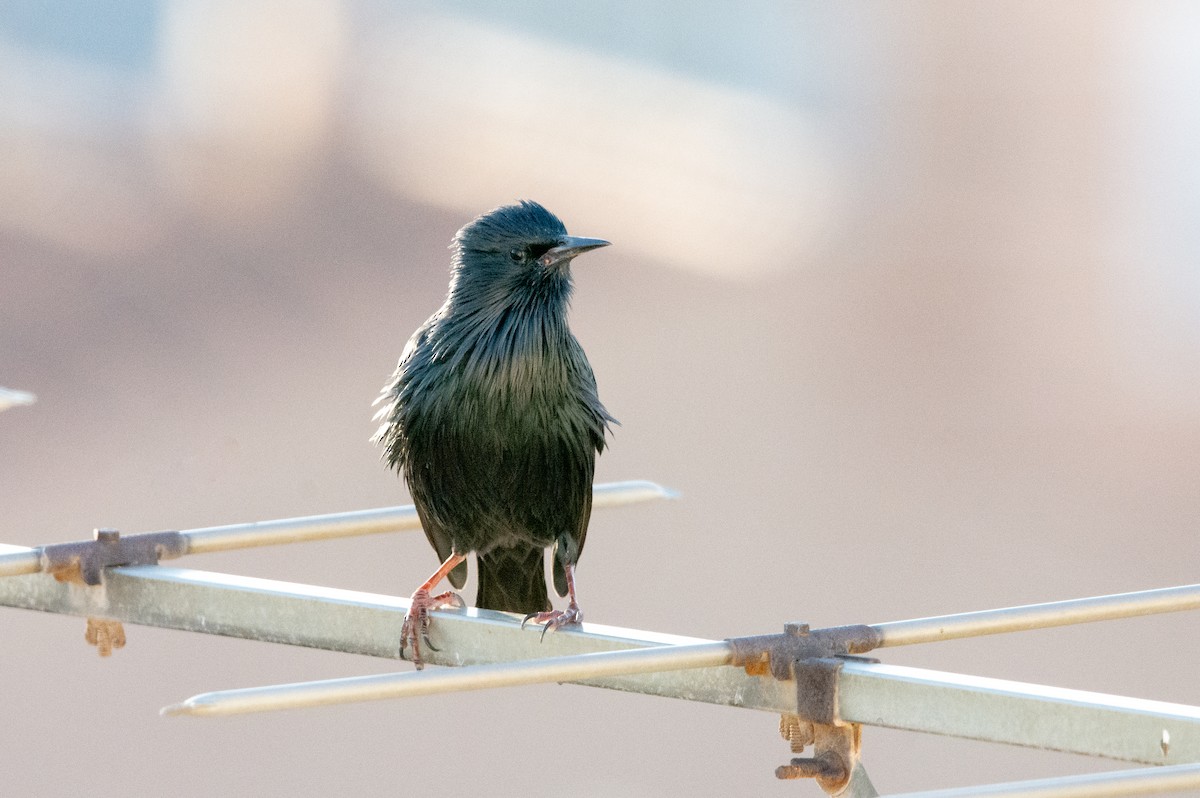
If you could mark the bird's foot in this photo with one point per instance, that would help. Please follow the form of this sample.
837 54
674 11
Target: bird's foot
416 621
555 619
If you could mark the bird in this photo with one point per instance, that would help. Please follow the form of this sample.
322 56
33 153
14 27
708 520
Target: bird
494 419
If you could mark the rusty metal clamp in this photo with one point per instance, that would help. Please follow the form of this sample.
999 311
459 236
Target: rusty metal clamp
813 659
85 560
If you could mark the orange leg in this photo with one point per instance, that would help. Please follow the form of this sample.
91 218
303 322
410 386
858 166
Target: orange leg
416 620
555 619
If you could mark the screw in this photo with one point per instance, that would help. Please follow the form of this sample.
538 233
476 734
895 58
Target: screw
798 733
827 768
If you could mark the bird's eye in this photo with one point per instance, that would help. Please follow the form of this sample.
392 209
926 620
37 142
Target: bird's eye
517 254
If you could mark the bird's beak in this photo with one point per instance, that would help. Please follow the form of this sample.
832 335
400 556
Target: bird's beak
569 247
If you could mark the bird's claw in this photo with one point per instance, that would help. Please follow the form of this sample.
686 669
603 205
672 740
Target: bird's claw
555 619
416 621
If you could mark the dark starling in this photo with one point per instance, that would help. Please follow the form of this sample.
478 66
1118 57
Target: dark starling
493 416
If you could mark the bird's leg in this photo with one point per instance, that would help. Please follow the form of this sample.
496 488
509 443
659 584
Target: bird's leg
558 618
416 620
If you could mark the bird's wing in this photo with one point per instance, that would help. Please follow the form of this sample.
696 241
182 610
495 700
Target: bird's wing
392 437
594 427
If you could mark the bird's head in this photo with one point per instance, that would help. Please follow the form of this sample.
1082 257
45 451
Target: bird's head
516 250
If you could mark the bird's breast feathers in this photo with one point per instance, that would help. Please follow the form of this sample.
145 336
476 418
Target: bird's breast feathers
528 382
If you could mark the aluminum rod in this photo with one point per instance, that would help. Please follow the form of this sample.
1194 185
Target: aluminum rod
16 560
298 530
1039 616
479 677
369 522
874 694
909 698
1147 781
333 525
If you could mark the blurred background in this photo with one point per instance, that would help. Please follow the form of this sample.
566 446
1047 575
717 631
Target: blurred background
903 299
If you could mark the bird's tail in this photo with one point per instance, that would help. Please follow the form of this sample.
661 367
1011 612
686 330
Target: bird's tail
512 580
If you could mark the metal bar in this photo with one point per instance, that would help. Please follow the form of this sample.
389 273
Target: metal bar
1037 716
368 522
16 560
333 525
910 699
478 677
366 623
904 698
1147 781
298 530
1039 616
860 785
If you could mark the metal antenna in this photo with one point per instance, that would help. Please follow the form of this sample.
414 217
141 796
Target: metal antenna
816 679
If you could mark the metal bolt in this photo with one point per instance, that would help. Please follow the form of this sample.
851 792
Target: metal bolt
106 535
828 769
796 629
798 732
